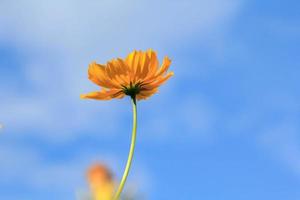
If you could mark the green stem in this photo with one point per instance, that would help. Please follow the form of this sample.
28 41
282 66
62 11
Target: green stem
131 152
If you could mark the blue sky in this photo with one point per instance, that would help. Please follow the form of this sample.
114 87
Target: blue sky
226 126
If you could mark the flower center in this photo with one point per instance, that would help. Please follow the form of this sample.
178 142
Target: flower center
132 90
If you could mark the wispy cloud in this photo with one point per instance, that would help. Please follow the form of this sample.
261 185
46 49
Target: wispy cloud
282 143
59 39
189 117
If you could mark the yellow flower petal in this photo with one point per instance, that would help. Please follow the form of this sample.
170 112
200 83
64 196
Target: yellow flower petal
164 67
158 82
98 75
103 94
145 94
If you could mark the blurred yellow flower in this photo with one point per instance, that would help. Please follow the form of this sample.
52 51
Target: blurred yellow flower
101 182
138 76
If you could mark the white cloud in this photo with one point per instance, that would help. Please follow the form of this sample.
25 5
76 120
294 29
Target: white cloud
189 117
272 119
96 23
59 39
282 141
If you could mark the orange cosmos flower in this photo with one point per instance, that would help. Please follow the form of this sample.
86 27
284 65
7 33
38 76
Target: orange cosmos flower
101 183
138 76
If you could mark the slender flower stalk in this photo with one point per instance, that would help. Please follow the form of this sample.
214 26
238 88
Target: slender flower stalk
131 151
